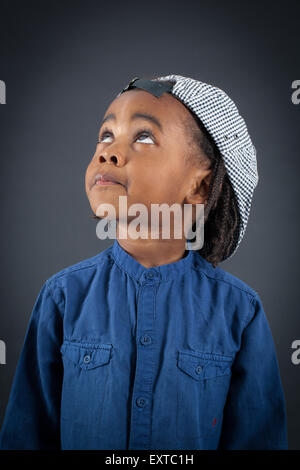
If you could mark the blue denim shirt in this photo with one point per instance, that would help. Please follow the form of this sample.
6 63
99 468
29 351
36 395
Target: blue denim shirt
119 356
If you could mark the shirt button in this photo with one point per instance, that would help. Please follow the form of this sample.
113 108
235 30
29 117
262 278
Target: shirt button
146 339
87 359
150 275
141 402
198 369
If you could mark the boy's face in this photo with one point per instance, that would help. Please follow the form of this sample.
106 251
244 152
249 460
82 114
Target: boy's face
147 158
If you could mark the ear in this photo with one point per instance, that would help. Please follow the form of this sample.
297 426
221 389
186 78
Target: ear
198 188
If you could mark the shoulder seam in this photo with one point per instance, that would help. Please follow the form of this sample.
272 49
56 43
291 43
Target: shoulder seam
253 295
50 290
246 322
58 275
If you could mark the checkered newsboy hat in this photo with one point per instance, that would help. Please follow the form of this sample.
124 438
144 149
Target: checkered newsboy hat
226 126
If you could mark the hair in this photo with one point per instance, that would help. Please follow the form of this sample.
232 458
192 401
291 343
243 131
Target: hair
221 213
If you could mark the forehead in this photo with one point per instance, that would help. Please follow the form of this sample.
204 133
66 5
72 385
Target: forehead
167 109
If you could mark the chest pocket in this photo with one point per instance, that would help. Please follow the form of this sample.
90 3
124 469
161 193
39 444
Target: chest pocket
86 355
203 381
87 373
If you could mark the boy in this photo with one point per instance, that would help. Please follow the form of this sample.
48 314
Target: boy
150 345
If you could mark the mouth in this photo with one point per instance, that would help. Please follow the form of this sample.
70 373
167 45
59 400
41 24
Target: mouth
105 179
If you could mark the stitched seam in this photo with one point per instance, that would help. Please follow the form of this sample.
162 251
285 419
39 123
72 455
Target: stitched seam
206 355
54 301
69 270
251 304
83 345
223 280
123 269
158 281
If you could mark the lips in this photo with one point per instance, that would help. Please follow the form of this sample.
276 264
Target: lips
102 178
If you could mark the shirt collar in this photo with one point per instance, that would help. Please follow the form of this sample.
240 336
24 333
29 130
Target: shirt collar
164 272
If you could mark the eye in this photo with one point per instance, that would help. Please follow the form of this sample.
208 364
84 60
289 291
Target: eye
142 134
104 136
146 134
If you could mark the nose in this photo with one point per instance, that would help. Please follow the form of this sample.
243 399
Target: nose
112 157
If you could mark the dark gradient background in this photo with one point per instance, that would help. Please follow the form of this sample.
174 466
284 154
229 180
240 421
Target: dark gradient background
64 62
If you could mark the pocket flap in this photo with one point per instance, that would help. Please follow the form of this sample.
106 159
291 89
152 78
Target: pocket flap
202 365
87 355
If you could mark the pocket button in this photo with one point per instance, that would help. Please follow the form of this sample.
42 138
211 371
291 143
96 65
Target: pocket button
87 359
198 369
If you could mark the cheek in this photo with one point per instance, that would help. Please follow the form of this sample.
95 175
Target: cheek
169 182
155 189
87 181
89 172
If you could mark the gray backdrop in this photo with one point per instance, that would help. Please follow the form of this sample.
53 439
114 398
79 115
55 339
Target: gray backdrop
63 63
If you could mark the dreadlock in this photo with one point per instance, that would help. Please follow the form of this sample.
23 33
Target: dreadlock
221 214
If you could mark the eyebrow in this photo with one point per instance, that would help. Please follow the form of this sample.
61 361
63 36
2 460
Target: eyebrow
149 117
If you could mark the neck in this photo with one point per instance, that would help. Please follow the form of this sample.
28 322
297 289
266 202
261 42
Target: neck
151 252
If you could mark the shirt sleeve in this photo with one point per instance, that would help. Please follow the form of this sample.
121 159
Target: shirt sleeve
255 414
32 418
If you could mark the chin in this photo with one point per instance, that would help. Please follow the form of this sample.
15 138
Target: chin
105 200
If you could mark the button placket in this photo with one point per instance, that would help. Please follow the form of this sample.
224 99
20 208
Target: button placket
140 432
